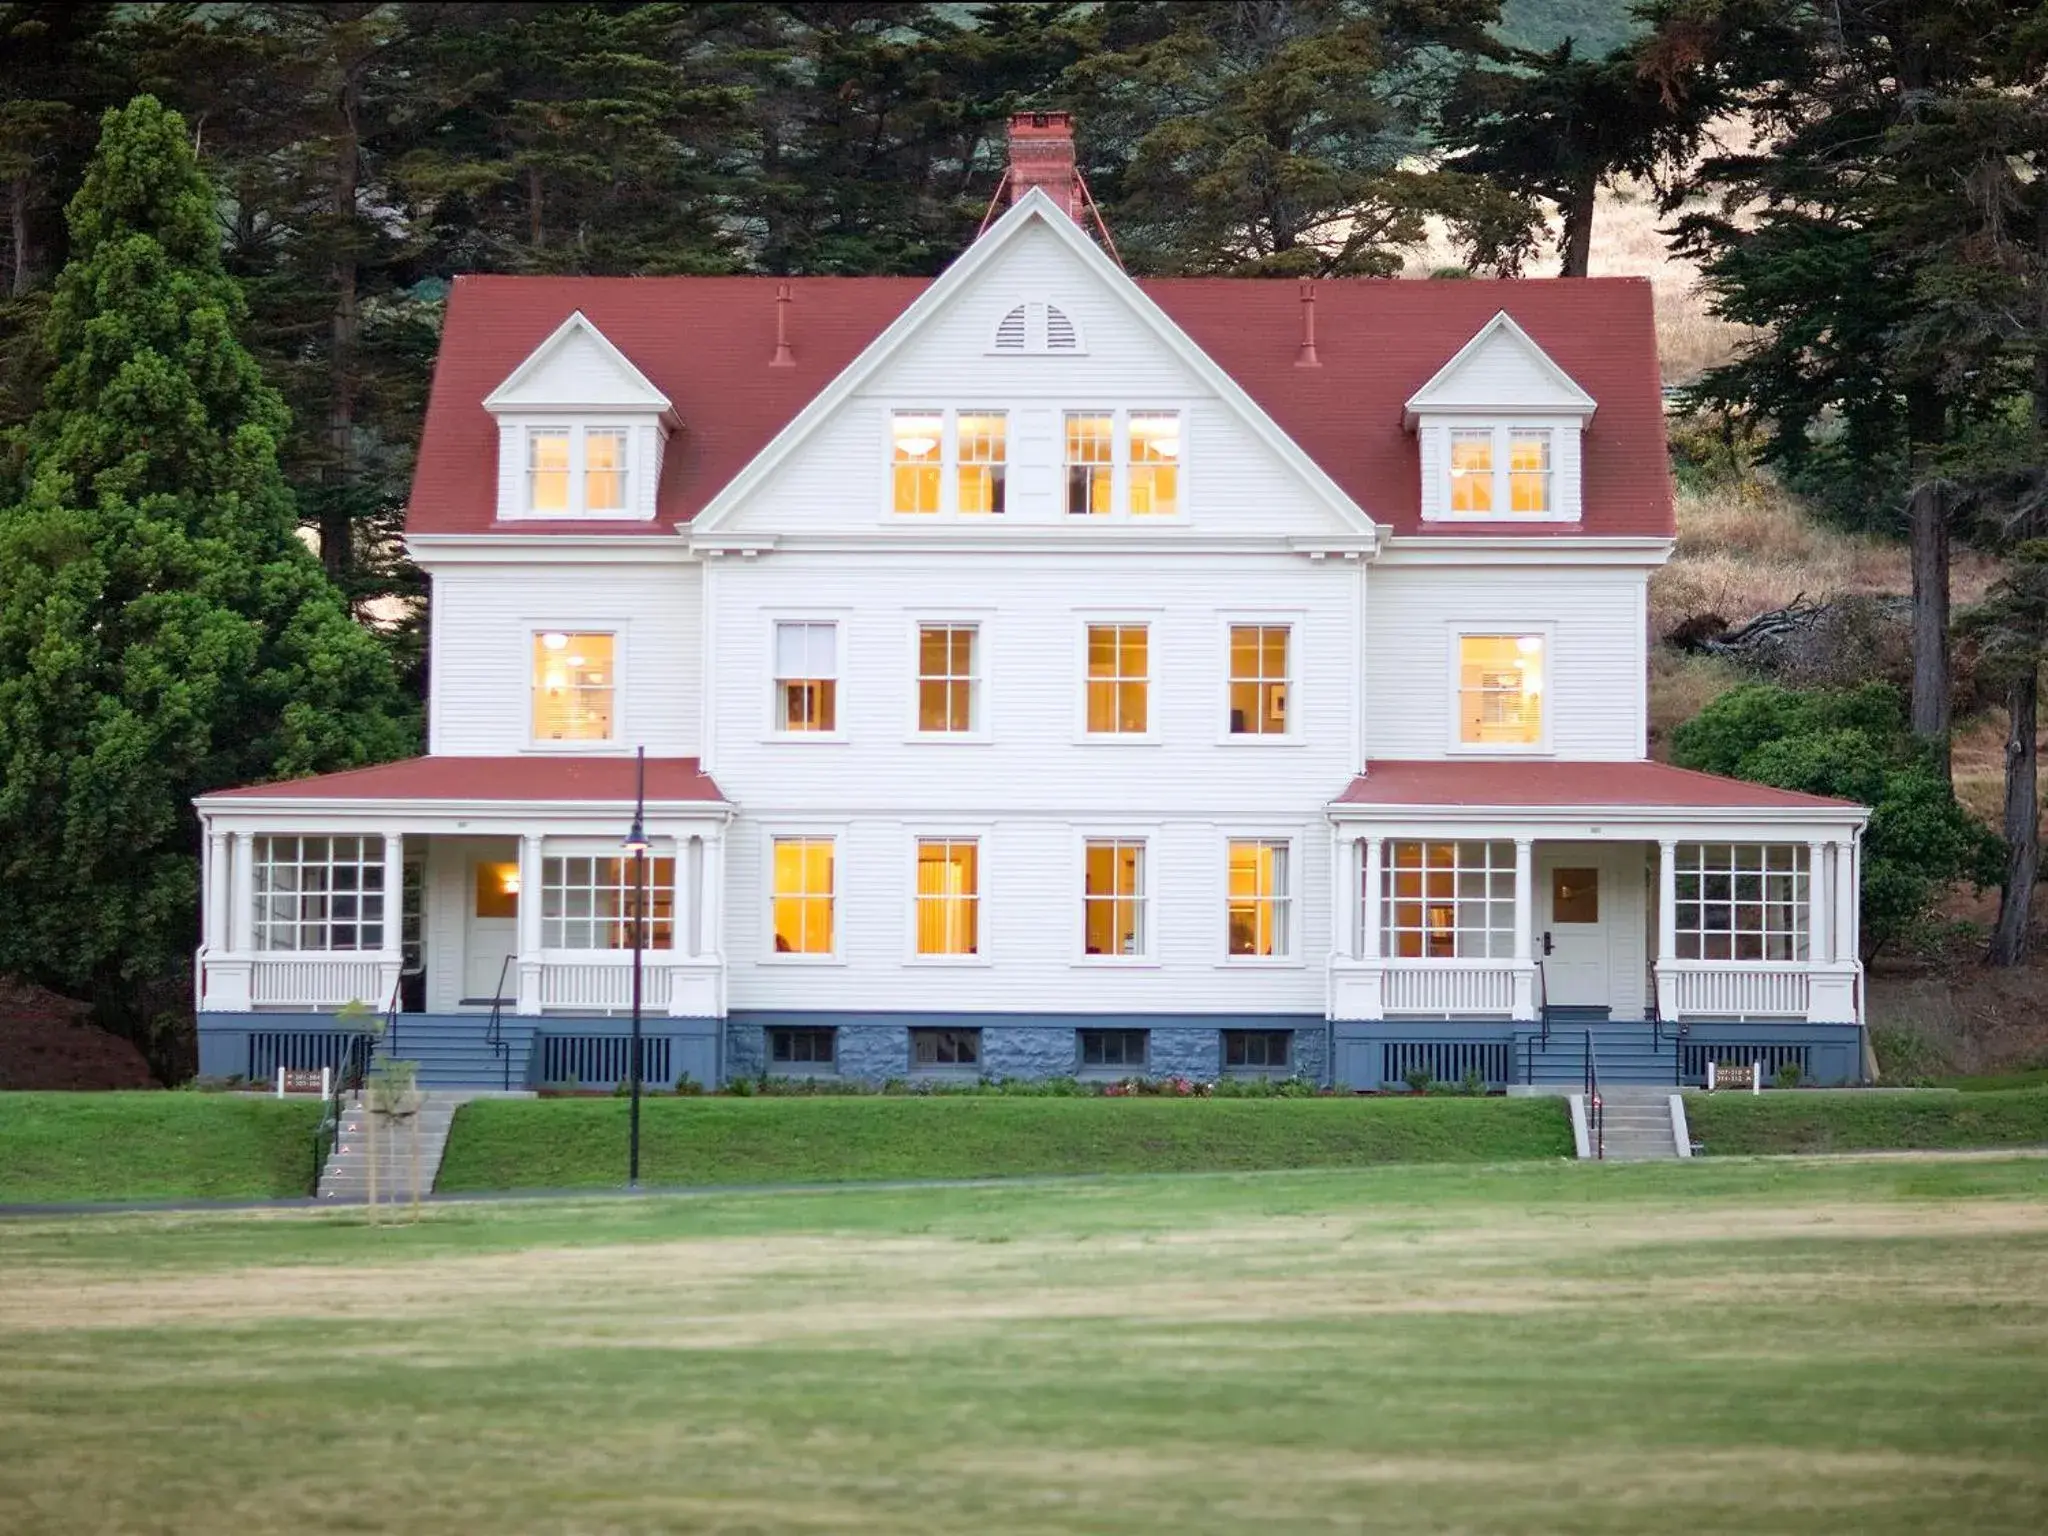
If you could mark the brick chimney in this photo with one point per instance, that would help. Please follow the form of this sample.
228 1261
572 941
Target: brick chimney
1042 155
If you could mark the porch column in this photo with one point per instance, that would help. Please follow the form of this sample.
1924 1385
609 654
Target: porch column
527 1000
1367 933
1844 950
1667 930
1524 1005
714 897
392 950
690 870
1817 951
219 878
242 893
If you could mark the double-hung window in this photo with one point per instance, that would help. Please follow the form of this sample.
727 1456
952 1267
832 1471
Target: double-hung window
590 903
1113 898
806 676
319 893
1123 463
802 895
578 471
948 679
1448 901
575 685
948 916
1500 689
1741 901
1118 685
945 461
1258 904
1258 679
1501 470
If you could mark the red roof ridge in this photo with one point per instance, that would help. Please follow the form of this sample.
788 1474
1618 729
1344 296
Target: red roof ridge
530 776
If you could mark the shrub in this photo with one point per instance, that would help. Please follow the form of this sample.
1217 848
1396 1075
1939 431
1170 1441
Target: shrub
1417 1079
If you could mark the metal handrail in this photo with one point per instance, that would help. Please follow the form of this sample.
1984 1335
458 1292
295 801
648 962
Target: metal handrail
494 1035
1543 1000
349 1074
391 1015
1596 1112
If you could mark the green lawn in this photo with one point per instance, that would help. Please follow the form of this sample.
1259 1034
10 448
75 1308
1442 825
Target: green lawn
572 1143
1712 1347
1851 1121
154 1146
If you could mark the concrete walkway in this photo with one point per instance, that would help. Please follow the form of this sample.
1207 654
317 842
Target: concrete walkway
407 1148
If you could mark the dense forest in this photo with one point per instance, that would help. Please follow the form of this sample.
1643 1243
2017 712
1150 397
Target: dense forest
263 204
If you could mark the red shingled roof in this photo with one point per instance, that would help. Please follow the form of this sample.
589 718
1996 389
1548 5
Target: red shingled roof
706 341
1526 784
536 777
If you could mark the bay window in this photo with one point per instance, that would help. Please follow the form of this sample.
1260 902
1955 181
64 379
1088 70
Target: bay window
574 686
588 903
319 894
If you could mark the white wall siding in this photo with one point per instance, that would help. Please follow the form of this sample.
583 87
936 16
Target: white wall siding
484 617
1593 614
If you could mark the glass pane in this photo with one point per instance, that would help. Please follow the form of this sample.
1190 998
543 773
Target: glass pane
1500 690
1472 471
1574 896
573 686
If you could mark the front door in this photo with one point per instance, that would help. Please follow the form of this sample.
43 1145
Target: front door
1573 899
494 897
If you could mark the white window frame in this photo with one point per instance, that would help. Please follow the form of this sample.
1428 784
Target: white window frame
1504 430
560 851
1289 619
977 706
948 465
1689 860
809 831
1454 704
948 832
1287 897
590 745
1122 618
1147 840
368 865
578 509
772 726
1120 466
1495 874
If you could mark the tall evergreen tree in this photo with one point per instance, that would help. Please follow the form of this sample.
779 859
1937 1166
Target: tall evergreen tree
163 629
2011 627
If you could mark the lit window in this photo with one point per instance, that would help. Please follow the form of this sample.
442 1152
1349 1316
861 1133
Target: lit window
1741 901
1091 454
984 454
604 471
588 903
806 677
1113 1047
1155 463
547 472
1259 910
1258 679
940 1048
803 895
1113 898
1449 901
948 897
916 455
946 680
1257 1050
319 893
1500 690
1529 470
573 686
497 889
1117 679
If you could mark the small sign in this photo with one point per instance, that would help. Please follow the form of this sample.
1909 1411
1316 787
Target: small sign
1734 1074
301 1080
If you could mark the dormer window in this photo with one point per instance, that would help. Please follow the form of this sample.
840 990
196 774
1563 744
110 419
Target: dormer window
1500 469
1036 328
578 472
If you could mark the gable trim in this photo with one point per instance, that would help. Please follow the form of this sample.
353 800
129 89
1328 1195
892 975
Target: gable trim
1034 206
498 400
1577 401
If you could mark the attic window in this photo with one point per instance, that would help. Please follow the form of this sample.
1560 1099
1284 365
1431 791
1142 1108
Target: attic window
1037 328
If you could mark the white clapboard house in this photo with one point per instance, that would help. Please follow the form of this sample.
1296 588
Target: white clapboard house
1039 671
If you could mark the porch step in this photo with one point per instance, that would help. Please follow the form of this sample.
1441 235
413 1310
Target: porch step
452 1053
1625 1051
346 1178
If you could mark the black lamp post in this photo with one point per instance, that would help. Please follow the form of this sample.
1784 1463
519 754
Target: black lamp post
636 844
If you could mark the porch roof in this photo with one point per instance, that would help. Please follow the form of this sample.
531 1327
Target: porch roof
538 777
1524 785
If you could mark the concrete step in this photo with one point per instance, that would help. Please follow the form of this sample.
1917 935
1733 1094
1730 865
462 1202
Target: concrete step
347 1174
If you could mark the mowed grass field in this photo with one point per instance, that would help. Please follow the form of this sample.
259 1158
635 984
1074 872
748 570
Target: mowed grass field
1712 1347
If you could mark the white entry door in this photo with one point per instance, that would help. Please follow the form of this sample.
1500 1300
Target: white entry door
1574 904
493 924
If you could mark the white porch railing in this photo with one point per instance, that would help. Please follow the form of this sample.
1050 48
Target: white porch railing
1745 989
605 984
1449 987
319 981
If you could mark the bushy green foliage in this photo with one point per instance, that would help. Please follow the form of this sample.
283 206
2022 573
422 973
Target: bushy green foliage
1853 744
163 631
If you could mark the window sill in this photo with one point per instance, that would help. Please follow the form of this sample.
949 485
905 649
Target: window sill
1503 517
623 515
782 957
806 738
1117 739
948 739
1261 963
949 962
1261 739
1114 963
799 1072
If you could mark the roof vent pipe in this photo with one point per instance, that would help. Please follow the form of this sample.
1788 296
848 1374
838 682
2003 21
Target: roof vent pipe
782 358
1307 357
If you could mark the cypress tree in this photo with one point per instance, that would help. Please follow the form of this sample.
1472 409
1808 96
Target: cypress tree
163 629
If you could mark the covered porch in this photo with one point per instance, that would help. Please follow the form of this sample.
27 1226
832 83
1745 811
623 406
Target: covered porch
448 886
1541 892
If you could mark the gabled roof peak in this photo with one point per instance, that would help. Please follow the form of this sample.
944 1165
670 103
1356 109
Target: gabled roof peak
625 387
1544 386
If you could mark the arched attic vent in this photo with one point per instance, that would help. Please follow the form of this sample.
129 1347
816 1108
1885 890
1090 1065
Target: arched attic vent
1037 327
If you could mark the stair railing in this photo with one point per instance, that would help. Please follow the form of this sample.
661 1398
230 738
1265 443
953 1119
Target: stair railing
494 1033
1543 1001
349 1073
1678 1035
391 1018
1596 1112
